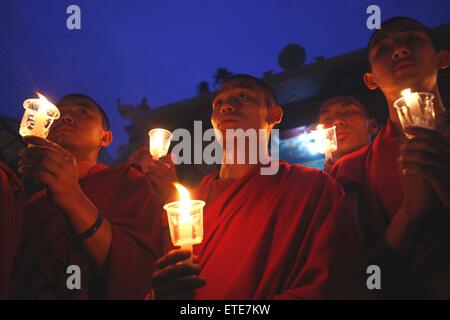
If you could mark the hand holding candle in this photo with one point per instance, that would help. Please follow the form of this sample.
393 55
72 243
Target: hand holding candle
38 117
325 140
416 110
159 142
185 220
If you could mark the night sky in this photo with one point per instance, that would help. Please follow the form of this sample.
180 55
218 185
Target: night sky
161 49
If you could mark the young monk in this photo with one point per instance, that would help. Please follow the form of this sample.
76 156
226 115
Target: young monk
403 184
104 221
354 126
278 236
11 206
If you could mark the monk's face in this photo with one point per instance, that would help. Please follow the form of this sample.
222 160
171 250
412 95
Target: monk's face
402 56
240 104
353 128
79 128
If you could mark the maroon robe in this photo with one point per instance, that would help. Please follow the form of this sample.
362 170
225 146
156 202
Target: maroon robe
373 173
49 245
285 236
11 209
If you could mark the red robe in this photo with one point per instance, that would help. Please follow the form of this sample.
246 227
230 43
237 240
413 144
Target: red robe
49 245
11 206
284 236
374 174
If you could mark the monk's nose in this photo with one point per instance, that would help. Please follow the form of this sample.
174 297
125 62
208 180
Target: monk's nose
227 108
400 51
338 121
67 118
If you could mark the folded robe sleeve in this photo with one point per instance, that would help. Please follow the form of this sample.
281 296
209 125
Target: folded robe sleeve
335 265
136 240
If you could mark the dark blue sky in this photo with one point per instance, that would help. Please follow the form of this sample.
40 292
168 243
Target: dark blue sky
161 49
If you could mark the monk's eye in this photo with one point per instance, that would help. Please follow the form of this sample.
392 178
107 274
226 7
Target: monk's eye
242 95
218 104
325 119
412 38
382 48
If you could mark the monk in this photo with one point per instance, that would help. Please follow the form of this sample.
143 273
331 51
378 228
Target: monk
94 231
354 125
282 235
12 195
403 184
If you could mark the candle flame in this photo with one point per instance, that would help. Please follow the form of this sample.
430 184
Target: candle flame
319 126
46 105
185 199
182 192
159 137
42 97
406 93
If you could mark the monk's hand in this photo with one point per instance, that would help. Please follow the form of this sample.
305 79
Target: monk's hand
54 166
175 279
427 156
162 174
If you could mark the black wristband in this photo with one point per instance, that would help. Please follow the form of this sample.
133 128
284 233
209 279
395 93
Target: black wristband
89 232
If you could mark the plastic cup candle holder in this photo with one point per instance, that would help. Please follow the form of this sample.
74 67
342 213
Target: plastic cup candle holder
325 140
185 223
416 109
38 117
159 140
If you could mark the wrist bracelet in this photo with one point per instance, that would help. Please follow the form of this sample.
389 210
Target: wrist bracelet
89 232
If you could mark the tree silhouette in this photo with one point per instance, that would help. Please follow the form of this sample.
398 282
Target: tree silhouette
203 88
220 75
292 56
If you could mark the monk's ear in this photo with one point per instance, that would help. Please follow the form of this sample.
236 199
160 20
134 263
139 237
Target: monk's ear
443 59
107 138
370 81
275 115
373 126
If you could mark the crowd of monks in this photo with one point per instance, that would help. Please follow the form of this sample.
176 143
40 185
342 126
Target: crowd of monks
301 233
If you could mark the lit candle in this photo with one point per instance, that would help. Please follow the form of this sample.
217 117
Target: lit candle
159 142
412 100
325 140
38 117
416 109
185 219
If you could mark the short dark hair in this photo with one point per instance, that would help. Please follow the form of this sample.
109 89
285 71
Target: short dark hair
431 35
105 120
270 95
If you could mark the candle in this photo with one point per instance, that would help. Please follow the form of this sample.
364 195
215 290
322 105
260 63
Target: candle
416 109
412 101
38 117
159 142
185 220
325 140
